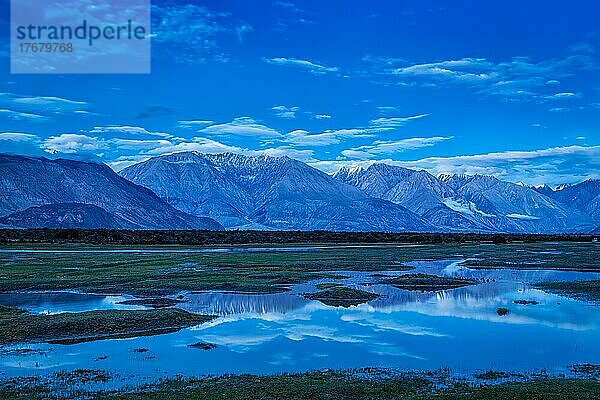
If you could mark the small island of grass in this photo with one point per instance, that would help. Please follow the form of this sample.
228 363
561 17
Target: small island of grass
341 296
18 326
160 302
203 346
502 311
428 283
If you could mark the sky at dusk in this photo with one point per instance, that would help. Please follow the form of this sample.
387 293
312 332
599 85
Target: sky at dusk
509 88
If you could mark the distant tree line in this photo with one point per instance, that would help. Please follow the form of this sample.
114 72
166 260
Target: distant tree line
198 237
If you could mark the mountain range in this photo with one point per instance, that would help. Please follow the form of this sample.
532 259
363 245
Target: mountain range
467 203
267 193
584 196
210 191
37 192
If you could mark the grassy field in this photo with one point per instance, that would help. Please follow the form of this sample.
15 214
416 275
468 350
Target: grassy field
351 385
162 273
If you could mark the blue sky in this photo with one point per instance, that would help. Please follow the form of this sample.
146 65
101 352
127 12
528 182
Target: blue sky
510 89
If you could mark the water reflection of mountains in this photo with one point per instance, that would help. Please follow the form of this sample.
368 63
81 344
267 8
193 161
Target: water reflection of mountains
393 297
231 303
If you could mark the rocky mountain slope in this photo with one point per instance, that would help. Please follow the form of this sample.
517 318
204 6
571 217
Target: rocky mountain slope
584 196
32 182
466 203
267 192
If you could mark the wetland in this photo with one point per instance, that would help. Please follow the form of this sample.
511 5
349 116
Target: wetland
172 319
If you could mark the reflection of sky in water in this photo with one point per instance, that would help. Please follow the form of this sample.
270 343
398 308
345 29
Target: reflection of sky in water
59 302
459 329
453 268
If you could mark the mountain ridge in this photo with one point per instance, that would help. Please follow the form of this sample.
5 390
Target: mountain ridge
278 192
27 182
467 202
192 190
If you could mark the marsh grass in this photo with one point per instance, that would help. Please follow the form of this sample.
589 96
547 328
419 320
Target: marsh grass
71 328
328 385
428 283
165 273
341 296
582 290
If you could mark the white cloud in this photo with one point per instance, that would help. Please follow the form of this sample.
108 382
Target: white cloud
304 138
395 121
242 30
322 116
301 137
123 162
21 116
380 147
42 104
132 144
194 124
517 79
190 33
242 126
18 136
317 69
202 145
552 166
125 129
466 69
563 96
289 5
558 109
51 102
285 112
70 143
387 110
297 154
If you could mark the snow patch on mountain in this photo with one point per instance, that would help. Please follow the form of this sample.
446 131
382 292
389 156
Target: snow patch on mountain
524 217
465 207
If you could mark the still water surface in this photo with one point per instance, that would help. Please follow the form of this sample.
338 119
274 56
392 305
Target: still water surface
273 333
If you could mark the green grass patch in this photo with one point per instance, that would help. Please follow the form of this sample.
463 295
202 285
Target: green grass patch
203 346
160 302
502 311
428 283
492 375
581 290
329 385
341 296
69 328
159 271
